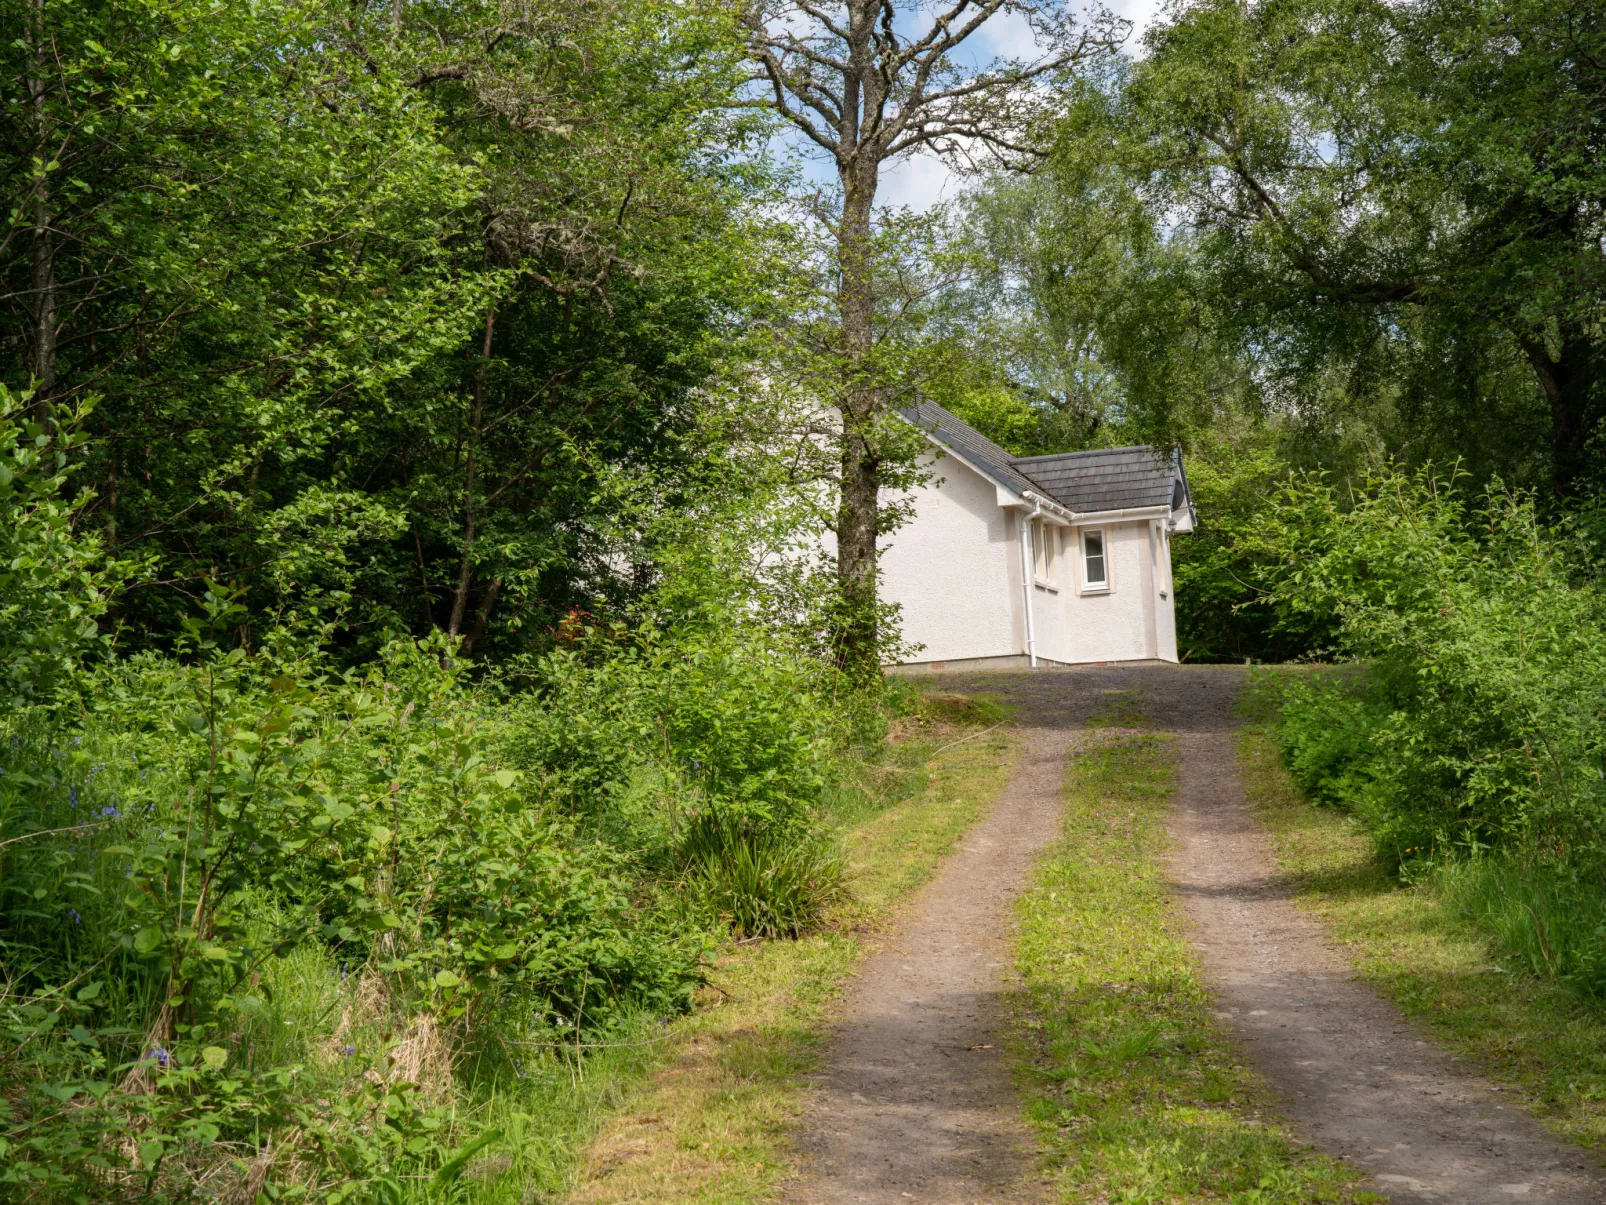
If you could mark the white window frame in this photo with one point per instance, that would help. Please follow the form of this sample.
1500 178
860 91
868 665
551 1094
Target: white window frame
1107 586
1044 559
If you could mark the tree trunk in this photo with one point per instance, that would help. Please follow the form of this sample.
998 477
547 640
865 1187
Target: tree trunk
857 510
476 427
858 168
42 278
1568 380
482 615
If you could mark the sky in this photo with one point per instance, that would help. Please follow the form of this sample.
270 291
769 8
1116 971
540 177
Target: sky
922 181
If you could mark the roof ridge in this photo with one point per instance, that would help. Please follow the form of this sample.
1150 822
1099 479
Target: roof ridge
947 416
1093 452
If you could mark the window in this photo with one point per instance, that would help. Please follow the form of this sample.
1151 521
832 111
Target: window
1045 552
1095 575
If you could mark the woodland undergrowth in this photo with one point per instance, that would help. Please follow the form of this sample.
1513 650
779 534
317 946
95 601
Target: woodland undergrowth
276 927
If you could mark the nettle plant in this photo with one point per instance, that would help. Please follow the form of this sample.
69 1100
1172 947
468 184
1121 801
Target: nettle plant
361 817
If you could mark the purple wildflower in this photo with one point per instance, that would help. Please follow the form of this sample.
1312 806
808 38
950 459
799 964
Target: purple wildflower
72 794
159 1053
351 1050
76 919
109 812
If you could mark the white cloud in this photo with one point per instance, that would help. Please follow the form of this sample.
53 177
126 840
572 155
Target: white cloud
924 180
920 182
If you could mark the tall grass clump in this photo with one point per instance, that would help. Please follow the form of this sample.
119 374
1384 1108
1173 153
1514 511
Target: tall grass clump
1470 739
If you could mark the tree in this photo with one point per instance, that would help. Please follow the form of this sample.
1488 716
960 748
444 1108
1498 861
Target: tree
857 86
1401 203
374 297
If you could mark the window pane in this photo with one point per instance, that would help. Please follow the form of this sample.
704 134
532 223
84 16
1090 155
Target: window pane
1093 544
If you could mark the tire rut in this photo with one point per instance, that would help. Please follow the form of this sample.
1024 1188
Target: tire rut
915 1101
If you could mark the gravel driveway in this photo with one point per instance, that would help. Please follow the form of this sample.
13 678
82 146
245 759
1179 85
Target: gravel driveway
914 1101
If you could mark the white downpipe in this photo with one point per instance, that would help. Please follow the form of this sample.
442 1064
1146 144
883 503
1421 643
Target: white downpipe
1028 573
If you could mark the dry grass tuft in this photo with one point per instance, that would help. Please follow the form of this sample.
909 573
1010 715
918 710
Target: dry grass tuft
424 1057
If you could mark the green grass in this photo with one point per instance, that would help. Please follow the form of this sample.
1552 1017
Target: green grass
1421 947
708 1120
1137 1094
1118 709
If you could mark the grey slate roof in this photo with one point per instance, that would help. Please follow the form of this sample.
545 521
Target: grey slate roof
1105 479
970 444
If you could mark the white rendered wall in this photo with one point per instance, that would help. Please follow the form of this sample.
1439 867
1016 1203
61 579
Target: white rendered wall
1166 607
1051 621
950 569
1120 624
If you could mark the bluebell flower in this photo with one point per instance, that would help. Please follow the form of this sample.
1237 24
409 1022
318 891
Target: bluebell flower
72 794
76 919
351 1050
159 1053
109 813
77 740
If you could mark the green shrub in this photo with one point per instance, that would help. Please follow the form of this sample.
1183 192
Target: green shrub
1328 735
53 580
638 736
207 822
1479 723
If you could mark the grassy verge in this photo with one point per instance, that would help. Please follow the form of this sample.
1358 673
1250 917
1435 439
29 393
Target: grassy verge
1535 1037
1136 1092
711 1124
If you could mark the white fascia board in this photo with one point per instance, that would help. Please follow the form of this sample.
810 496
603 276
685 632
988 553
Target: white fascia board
1092 517
1047 508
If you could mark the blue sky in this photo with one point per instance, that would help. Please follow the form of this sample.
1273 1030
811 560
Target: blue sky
922 181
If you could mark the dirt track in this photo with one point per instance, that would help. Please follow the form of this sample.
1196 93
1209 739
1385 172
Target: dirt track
914 1102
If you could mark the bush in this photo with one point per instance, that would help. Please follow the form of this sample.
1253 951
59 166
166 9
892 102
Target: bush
53 581
637 737
209 822
271 928
1479 723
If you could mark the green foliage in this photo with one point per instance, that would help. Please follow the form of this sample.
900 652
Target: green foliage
53 580
1552 922
760 881
1250 529
372 306
463 870
1475 727
1326 738
649 731
365 815
1395 216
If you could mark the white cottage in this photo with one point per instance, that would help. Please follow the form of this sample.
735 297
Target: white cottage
1036 560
